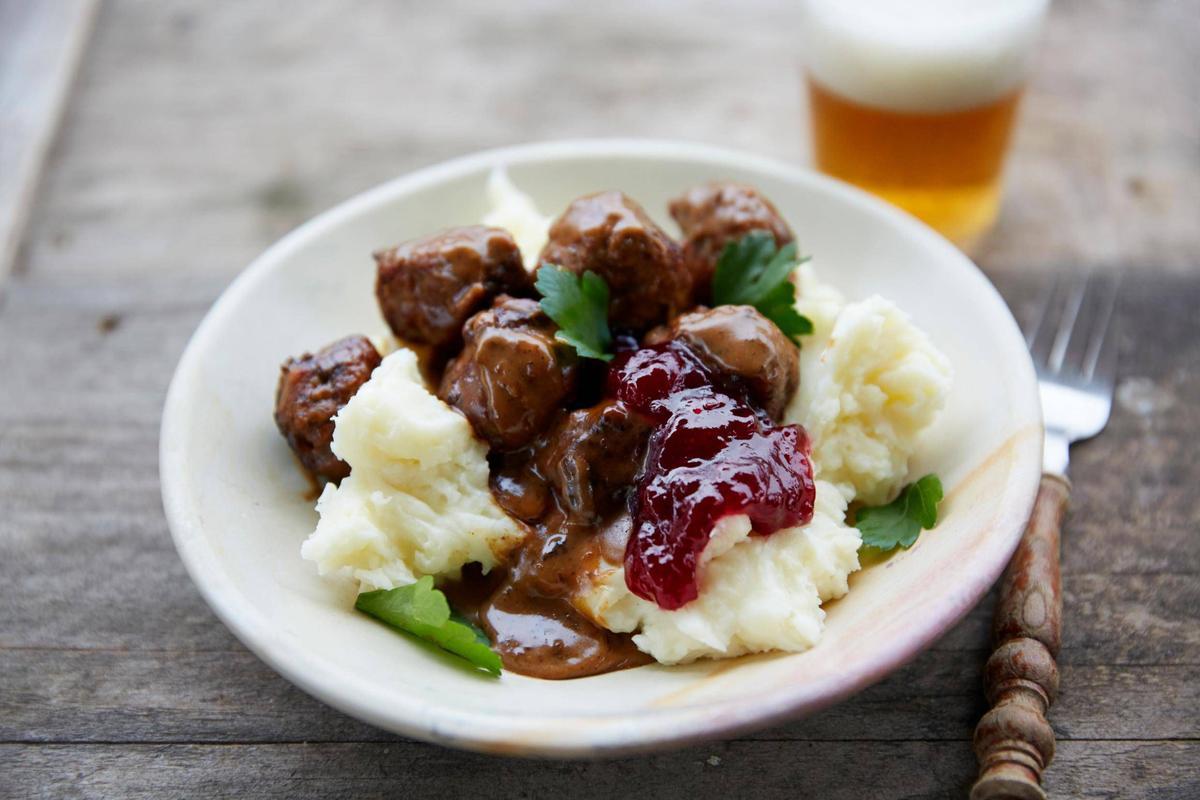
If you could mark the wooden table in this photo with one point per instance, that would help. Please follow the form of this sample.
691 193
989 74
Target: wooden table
198 133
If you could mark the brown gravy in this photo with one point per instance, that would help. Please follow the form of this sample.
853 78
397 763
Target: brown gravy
543 637
525 606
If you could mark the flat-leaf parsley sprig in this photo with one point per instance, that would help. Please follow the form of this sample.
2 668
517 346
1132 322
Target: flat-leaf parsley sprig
424 612
752 272
579 306
884 528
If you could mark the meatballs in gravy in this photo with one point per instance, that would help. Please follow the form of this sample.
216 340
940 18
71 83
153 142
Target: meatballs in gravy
592 457
603 470
312 390
715 214
429 287
611 235
512 376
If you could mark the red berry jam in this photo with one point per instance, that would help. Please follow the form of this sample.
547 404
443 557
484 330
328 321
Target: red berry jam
711 455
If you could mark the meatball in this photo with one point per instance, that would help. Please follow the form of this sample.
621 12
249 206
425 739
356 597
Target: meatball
512 376
740 342
312 390
428 287
715 214
612 235
592 457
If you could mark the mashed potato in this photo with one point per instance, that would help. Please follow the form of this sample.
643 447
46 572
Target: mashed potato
417 500
757 593
866 392
514 211
818 301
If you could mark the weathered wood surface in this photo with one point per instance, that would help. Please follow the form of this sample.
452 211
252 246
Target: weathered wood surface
199 133
1113 770
40 47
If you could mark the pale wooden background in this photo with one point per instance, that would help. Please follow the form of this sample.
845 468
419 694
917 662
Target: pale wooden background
199 132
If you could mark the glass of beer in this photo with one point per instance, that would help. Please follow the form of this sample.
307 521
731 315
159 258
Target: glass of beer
914 100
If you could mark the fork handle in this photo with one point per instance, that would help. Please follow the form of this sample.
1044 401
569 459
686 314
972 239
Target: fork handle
1013 741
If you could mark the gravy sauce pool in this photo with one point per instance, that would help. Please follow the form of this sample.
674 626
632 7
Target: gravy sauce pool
526 610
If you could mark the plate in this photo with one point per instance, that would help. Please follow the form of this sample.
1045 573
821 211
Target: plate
239 508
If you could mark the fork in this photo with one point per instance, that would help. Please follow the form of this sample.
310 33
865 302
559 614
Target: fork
1076 368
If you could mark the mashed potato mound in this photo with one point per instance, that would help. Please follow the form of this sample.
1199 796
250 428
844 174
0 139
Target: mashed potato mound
818 301
866 392
757 593
514 211
417 500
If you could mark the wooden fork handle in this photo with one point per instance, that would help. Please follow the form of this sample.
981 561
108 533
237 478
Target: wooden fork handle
1013 742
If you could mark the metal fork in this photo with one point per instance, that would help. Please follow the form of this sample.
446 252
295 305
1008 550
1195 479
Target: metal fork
1076 366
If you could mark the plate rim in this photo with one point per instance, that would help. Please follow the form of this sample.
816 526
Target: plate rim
562 736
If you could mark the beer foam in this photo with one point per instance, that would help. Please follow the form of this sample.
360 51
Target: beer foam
921 55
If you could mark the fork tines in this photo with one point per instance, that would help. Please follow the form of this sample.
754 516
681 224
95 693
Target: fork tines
1069 329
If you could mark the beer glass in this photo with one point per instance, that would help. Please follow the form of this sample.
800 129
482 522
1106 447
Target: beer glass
914 100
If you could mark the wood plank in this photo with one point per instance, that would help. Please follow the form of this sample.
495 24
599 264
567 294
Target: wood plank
1125 771
40 48
1103 151
272 114
832 770
59 695
828 770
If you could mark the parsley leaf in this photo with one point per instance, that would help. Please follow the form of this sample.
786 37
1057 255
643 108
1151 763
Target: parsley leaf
423 611
579 305
752 272
779 306
898 524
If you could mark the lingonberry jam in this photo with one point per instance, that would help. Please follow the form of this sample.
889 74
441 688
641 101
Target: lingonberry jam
711 455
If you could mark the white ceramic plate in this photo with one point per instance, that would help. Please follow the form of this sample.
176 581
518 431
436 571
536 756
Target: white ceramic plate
237 508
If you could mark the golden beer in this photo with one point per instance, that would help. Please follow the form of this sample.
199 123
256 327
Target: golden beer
942 167
915 101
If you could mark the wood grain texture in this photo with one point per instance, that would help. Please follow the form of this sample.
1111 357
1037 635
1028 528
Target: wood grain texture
201 132
1029 605
1013 741
1119 770
40 48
